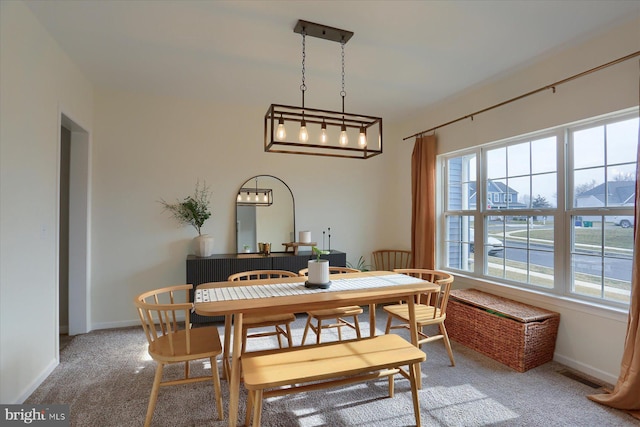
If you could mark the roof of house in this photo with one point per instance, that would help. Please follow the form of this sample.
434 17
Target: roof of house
620 192
494 187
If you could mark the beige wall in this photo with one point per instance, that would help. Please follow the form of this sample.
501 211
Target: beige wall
146 148
38 83
590 339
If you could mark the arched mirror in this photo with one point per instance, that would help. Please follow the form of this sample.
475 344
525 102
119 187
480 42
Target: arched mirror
265 212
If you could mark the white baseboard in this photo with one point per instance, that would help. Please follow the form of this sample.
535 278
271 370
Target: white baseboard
124 323
36 383
113 325
606 377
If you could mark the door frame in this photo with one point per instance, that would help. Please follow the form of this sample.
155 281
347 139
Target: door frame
79 225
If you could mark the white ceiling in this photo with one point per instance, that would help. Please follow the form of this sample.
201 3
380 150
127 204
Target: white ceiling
404 55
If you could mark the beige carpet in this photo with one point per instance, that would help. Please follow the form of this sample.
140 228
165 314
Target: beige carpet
106 376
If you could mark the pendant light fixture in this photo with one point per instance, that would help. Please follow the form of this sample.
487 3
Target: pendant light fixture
255 196
322 132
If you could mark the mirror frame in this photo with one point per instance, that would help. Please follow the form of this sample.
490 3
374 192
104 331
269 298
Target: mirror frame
293 203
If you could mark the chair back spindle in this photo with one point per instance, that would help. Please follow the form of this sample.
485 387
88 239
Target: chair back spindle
261 274
390 259
332 270
281 322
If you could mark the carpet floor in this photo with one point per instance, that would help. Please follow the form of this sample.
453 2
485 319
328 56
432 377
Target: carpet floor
105 376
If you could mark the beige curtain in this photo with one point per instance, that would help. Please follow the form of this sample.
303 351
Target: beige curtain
626 394
423 195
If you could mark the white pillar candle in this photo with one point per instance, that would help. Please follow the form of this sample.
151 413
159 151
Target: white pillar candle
304 237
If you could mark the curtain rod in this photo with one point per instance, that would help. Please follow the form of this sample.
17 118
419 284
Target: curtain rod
551 86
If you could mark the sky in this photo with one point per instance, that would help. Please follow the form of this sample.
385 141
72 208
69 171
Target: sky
529 167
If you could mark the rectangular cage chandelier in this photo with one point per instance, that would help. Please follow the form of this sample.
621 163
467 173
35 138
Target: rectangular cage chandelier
303 130
254 196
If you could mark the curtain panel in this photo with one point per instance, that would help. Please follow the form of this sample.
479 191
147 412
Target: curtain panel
423 198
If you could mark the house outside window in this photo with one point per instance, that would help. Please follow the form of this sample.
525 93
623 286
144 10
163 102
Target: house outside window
558 211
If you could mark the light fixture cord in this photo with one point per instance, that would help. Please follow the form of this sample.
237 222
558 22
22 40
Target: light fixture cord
303 86
342 92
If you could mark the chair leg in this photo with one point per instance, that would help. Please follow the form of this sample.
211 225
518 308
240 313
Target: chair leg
339 326
216 386
318 331
306 329
447 343
186 369
257 408
154 394
250 401
388 328
279 336
413 373
289 338
244 340
357 325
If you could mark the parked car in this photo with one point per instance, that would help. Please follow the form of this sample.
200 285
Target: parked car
493 245
623 221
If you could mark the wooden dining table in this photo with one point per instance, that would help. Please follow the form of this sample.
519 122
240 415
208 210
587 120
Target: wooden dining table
289 295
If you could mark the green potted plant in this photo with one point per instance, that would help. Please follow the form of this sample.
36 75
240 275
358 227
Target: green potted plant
360 265
318 270
194 211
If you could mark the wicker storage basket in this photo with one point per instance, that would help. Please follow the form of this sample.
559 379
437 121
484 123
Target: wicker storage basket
516 334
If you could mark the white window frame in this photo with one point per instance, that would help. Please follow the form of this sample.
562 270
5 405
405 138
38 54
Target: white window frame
562 213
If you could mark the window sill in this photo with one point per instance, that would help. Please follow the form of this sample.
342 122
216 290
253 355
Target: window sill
545 299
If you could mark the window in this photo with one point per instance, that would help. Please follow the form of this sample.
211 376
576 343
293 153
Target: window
603 171
558 211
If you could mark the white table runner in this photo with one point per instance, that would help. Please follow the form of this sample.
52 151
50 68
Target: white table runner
288 289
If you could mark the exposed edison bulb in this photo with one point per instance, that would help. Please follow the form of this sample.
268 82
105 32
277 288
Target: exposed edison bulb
248 197
265 198
362 138
344 139
239 198
303 136
323 133
256 198
281 132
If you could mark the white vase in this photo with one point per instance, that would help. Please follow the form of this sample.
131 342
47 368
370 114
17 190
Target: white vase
318 272
203 245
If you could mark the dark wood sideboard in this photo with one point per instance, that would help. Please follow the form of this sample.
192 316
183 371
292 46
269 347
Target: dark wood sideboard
217 268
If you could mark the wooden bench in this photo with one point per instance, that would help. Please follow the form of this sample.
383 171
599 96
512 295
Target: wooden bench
307 368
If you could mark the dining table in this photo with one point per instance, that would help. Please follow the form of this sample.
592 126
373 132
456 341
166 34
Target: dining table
235 299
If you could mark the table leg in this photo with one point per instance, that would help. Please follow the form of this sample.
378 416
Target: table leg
226 369
372 320
413 327
234 382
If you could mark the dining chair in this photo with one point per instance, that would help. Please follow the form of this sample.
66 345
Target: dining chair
332 313
430 310
390 259
281 322
166 323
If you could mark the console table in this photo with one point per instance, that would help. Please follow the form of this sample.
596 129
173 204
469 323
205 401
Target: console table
218 267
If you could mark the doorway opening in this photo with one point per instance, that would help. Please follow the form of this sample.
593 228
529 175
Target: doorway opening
73 229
